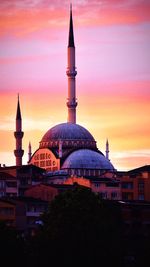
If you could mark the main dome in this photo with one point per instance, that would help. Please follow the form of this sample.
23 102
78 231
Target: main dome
70 134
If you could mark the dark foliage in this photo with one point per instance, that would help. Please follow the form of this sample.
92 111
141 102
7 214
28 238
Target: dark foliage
80 227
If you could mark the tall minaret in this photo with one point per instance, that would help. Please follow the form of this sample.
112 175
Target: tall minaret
29 152
18 135
71 73
107 149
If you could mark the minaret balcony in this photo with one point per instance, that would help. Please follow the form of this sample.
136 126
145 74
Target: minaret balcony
18 153
72 104
18 134
71 73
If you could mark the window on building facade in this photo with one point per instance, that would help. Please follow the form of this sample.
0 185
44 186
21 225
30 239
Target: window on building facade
2 184
97 185
127 185
113 195
6 211
141 197
141 186
2 194
103 195
127 196
11 184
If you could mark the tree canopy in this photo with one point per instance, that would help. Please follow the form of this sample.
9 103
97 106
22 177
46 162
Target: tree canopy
79 226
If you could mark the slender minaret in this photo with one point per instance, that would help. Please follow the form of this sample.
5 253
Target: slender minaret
29 152
71 73
107 149
18 135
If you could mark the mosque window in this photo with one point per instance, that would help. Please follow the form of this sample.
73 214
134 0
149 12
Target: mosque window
42 156
36 157
48 162
42 164
79 172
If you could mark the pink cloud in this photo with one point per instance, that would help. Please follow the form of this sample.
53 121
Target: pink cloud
31 16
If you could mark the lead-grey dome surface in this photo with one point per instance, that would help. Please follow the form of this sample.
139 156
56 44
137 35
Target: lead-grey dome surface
67 133
87 159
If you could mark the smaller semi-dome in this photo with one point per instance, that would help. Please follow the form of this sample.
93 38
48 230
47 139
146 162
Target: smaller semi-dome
87 159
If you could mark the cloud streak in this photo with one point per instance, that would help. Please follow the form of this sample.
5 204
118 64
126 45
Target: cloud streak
24 17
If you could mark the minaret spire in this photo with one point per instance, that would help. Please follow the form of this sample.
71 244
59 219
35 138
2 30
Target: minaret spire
18 135
71 34
71 73
18 114
29 152
107 149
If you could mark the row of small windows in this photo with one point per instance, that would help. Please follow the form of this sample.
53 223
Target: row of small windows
45 163
4 184
67 143
129 185
83 172
105 195
97 185
6 211
42 156
130 196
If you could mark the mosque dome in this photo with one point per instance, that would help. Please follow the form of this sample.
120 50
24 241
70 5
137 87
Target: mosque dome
70 134
87 159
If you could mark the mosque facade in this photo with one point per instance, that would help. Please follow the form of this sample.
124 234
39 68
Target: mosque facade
67 146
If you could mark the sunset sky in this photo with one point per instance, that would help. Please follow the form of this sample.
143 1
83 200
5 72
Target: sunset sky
112 39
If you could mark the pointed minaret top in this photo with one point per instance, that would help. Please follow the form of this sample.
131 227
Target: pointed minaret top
18 115
71 35
29 152
107 149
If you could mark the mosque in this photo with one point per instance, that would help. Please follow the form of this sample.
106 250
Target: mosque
67 146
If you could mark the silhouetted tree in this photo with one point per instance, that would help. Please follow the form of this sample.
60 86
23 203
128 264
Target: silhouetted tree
79 227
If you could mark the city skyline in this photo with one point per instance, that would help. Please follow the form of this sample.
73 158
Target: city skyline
112 60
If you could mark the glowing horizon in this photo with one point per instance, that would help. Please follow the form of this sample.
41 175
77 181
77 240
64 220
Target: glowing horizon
113 81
